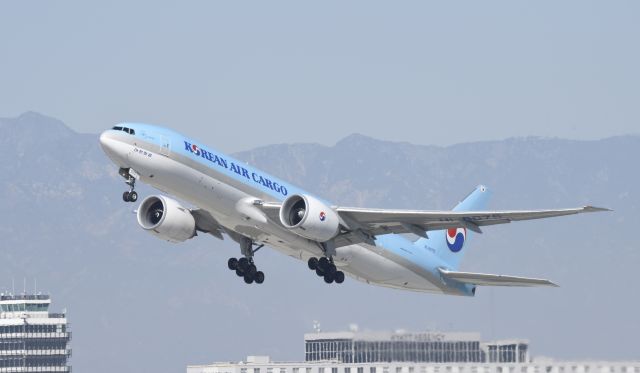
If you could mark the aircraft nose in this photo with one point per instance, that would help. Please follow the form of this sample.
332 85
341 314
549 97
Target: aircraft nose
105 142
113 149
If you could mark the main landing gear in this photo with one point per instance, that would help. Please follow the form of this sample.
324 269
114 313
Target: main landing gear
325 268
245 267
131 195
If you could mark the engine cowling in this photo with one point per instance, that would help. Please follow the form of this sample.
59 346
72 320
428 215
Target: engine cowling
166 218
309 218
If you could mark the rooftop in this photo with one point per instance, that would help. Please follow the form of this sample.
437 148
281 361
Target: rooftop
24 297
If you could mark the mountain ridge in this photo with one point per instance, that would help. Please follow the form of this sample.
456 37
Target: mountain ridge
137 303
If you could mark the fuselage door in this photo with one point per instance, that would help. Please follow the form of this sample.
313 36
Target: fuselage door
165 146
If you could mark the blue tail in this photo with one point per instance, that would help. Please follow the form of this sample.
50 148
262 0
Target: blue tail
450 244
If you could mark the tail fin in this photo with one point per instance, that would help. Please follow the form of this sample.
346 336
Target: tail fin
450 244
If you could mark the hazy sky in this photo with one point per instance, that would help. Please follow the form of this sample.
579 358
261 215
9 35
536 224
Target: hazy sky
242 74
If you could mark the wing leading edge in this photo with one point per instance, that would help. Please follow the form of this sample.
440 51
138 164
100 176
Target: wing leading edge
383 221
485 279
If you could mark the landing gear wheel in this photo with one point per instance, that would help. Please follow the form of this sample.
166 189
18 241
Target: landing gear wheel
232 264
313 263
259 277
133 196
239 272
252 270
248 278
243 264
328 278
319 272
323 263
331 269
125 196
338 277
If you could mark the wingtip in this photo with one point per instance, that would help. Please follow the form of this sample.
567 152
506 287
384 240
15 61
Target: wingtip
596 209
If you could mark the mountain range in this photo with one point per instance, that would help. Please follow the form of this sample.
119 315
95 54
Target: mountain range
136 303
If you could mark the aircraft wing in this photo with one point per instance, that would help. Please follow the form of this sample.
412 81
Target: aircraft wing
362 224
494 280
382 221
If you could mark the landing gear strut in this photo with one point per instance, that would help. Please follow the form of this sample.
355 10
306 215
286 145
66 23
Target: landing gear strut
245 267
131 195
325 268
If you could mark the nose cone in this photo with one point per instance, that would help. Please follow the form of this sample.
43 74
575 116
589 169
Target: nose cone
113 148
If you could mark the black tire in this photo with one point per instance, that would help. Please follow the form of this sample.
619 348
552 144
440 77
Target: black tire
252 270
323 263
239 272
328 278
259 277
313 263
125 196
331 269
319 272
133 196
232 263
243 264
248 278
338 277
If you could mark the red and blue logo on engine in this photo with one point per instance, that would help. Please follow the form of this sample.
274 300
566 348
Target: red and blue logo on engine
456 238
323 216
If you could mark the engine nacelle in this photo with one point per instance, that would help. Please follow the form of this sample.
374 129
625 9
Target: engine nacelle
309 218
165 218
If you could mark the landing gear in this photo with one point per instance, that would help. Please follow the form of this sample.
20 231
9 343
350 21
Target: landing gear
245 267
131 195
325 268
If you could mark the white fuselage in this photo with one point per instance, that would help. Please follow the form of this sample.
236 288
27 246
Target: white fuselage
228 200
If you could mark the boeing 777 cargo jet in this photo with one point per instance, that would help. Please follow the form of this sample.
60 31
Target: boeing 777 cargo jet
253 208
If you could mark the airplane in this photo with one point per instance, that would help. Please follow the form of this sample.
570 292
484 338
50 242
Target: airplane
255 209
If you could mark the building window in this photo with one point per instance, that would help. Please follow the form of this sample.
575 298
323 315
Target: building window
334 370
347 370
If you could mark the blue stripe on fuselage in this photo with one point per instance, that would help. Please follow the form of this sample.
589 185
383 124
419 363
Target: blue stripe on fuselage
219 162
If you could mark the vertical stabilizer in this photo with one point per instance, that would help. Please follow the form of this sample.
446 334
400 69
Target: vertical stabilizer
451 244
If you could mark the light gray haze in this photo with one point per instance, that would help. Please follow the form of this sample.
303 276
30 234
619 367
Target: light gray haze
238 75
412 77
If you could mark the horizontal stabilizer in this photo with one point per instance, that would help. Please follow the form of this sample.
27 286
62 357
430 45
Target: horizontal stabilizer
485 279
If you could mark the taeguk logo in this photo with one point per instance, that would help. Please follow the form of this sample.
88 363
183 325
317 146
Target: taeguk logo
323 216
456 238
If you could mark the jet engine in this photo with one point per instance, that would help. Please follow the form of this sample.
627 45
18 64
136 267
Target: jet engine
166 218
309 218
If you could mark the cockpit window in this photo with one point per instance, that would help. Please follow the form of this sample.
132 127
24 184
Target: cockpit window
130 131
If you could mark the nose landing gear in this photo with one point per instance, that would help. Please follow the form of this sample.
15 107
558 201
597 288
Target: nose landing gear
325 268
131 195
245 267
